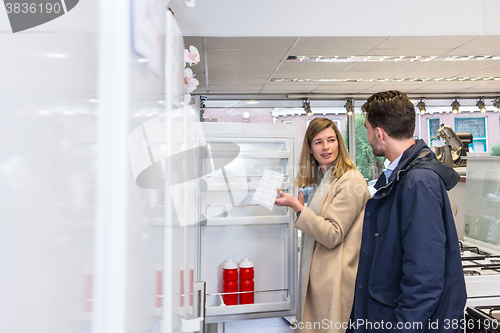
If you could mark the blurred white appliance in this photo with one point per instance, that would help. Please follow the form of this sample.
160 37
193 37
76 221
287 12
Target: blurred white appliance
481 242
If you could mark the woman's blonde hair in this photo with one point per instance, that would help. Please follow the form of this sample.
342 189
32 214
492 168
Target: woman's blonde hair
309 167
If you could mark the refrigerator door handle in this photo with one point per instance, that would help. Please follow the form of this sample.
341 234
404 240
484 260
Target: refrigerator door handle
197 324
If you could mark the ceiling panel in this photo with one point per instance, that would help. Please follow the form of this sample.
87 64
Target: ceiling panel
250 43
392 66
289 88
482 42
330 52
240 74
483 73
451 87
236 81
244 89
305 74
245 55
349 88
409 52
476 51
426 42
453 66
338 43
242 65
403 86
367 75
494 66
485 88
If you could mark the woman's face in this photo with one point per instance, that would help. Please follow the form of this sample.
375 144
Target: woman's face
325 147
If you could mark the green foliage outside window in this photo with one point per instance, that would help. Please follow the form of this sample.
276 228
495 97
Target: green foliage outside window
495 150
368 164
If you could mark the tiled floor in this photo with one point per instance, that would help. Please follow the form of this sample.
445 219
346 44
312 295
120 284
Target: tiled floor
270 325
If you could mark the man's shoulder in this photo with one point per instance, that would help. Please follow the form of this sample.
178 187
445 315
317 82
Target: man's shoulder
421 176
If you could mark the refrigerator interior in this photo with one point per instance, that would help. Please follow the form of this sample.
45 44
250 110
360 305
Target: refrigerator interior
233 227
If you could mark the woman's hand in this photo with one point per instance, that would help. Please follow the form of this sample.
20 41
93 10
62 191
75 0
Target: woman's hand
289 200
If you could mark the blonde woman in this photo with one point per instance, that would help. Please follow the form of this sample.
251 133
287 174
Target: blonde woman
331 227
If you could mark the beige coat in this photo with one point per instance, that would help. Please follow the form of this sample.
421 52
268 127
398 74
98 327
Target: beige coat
336 231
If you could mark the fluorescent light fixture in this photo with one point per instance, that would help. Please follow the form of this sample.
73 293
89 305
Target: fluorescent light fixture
380 58
459 79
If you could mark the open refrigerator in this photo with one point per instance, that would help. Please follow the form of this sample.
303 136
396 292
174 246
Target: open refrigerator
232 160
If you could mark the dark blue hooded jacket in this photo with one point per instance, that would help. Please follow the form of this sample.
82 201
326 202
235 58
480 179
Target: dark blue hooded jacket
410 276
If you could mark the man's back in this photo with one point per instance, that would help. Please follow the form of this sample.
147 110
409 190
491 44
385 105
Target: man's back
410 272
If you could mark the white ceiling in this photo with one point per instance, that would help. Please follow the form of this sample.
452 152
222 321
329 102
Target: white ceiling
247 65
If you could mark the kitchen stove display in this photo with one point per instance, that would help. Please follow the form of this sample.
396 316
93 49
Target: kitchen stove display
477 262
482 273
482 319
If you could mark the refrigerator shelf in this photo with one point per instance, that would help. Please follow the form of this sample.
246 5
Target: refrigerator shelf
270 300
246 220
251 185
247 308
251 153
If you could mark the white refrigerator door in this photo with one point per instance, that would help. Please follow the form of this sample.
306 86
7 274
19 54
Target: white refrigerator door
233 227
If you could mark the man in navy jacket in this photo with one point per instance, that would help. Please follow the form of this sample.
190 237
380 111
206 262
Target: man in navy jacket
410 276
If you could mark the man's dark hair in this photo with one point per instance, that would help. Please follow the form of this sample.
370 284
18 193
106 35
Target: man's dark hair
393 112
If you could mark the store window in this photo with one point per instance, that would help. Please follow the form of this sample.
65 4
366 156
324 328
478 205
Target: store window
475 126
368 164
434 125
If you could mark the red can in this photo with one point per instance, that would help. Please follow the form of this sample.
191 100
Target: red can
246 282
230 283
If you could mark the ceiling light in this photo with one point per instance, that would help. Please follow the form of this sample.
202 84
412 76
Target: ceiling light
306 104
455 106
496 102
421 106
252 102
415 79
349 107
480 105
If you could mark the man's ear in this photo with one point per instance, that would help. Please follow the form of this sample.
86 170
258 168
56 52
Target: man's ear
380 134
